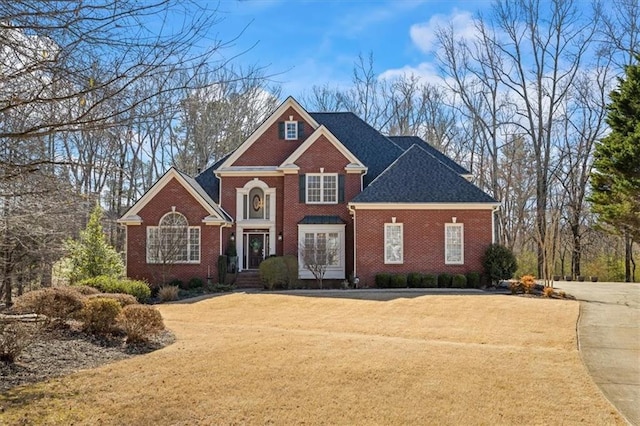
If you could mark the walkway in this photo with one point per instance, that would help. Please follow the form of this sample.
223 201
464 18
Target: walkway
609 338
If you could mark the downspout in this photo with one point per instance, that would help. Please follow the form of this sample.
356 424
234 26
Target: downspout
352 212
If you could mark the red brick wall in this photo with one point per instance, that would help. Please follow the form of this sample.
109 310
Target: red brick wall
423 232
321 154
269 149
173 194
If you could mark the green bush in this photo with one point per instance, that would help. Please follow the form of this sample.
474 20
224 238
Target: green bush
398 281
383 280
99 314
222 268
273 273
429 281
140 322
195 283
176 283
138 289
499 263
60 303
291 264
473 280
414 280
459 281
445 280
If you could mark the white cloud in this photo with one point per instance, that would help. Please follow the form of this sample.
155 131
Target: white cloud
425 71
423 35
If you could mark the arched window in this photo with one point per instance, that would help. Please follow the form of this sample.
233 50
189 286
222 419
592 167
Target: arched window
173 240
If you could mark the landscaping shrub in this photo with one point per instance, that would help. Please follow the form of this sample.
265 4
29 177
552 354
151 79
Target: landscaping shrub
473 280
516 287
140 322
383 280
138 289
60 303
528 283
168 293
273 273
99 314
548 292
222 269
195 283
499 263
291 264
429 281
414 280
85 290
14 338
122 298
176 283
445 280
398 281
459 281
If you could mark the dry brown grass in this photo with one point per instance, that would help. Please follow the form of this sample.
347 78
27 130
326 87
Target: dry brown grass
276 359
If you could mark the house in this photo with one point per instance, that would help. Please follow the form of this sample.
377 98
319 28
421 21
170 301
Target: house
303 180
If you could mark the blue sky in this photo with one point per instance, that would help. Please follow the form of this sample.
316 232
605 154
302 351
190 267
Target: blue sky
311 42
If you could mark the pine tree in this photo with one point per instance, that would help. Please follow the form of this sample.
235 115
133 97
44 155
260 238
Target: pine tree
616 177
91 255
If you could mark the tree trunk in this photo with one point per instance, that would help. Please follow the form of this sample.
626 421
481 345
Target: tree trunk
628 257
576 251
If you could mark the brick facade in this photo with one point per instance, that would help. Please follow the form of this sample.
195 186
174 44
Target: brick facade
423 245
172 194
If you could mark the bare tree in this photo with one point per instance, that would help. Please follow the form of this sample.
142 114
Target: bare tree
317 254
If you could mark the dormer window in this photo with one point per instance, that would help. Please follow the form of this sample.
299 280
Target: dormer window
290 130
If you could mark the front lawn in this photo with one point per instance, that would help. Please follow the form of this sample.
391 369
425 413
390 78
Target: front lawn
283 359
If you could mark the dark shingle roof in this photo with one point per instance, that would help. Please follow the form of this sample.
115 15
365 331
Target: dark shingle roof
405 143
417 176
321 220
209 181
367 144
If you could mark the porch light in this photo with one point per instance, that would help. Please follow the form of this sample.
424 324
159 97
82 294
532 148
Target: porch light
280 236
233 236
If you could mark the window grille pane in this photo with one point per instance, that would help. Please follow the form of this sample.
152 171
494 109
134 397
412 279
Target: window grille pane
393 243
453 244
194 244
291 130
313 189
330 189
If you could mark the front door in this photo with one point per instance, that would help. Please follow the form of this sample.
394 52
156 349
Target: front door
254 249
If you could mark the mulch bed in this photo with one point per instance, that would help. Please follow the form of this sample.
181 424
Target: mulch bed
66 349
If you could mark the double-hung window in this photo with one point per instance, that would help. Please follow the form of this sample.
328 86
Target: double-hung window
322 188
173 241
290 130
393 243
454 244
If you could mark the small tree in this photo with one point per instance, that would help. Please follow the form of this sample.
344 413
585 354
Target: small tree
499 263
91 255
318 254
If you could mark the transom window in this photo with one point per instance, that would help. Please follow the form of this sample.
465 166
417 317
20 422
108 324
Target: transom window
322 188
393 243
454 244
291 130
173 241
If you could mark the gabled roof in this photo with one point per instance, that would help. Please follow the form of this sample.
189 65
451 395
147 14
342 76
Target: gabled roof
216 214
209 181
373 149
268 122
405 142
322 131
417 176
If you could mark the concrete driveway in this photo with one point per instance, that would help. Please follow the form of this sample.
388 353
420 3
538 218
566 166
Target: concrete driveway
609 339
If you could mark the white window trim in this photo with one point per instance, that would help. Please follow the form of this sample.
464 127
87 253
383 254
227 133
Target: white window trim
386 260
446 244
333 272
286 133
322 175
160 261
241 192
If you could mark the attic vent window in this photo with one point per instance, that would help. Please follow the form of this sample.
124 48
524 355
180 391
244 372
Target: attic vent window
291 130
